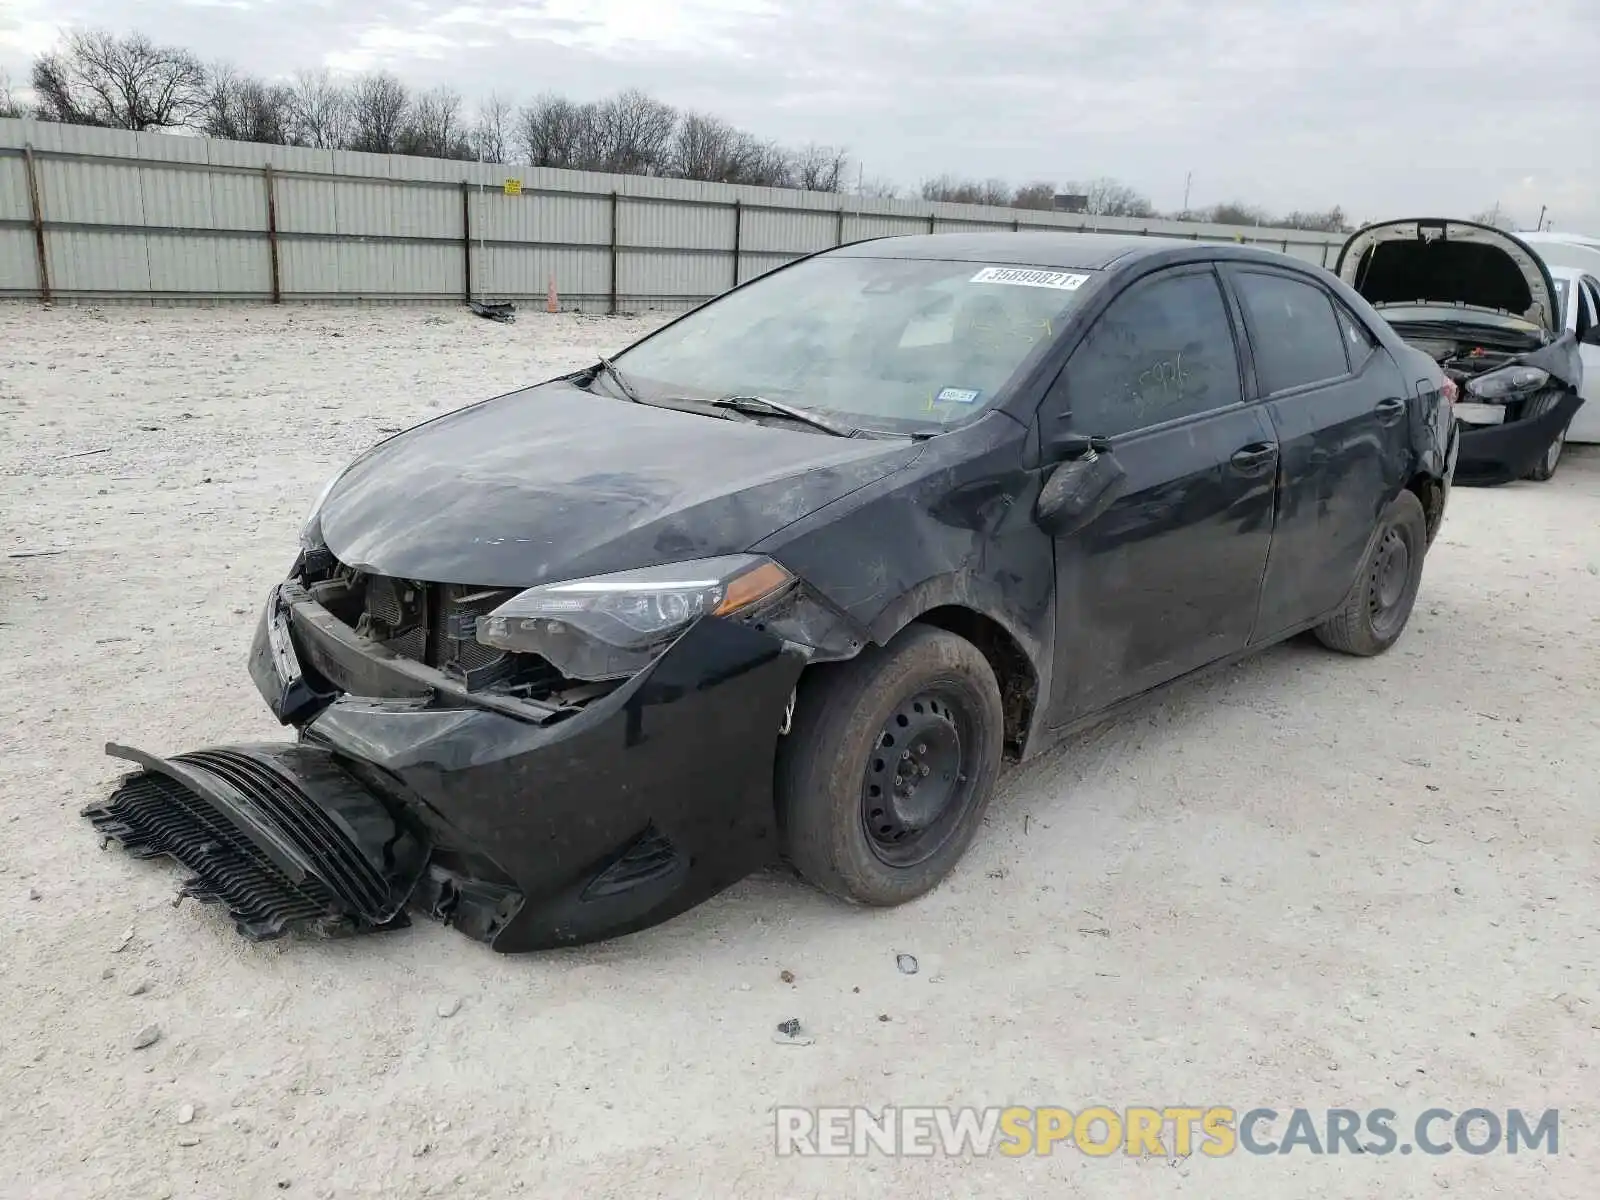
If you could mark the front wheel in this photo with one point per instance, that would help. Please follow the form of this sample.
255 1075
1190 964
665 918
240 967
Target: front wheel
1547 465
885 775
1378 605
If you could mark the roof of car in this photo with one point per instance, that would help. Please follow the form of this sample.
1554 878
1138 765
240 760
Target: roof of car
1082 251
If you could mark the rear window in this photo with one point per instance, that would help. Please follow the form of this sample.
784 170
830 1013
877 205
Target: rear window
893 343
1296 338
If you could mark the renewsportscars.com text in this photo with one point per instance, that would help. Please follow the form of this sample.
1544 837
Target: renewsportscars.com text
1214 1131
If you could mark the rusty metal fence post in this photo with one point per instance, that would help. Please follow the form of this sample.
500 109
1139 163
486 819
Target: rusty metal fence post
466 243
272 232
738 238
37 211
615 224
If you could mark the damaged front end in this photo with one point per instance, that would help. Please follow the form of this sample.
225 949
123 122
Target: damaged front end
1484 306
479 785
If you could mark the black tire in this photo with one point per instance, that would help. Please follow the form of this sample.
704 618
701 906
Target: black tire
1546 467
1378 605
927 683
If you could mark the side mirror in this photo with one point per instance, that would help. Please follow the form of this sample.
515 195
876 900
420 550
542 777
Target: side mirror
1079 490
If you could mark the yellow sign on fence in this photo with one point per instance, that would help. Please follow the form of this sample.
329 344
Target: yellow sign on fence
513 187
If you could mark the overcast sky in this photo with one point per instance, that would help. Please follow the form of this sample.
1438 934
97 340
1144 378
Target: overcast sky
1388 107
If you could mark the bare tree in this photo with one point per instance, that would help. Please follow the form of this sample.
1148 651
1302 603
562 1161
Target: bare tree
434 127
951 190
633 133
550 132
127 82
1331 221
1040 194
1495 216
706 147
820 168
321 111
10 106
491 131
877 189
246 109
1236 212
379 106
1108 198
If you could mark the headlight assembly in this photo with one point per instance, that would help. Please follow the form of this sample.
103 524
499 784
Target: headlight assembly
308 527
1506 383
609 626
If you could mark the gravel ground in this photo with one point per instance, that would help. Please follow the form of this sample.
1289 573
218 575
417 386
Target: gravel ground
1308 880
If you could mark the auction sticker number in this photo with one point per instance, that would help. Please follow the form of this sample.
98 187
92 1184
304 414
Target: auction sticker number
1024 277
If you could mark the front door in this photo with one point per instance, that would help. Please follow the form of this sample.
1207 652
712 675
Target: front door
1166 580
1585 303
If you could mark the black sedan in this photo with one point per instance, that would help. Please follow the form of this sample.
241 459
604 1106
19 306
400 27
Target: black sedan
795 574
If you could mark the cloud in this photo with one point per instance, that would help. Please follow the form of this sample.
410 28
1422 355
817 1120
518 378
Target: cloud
1441 106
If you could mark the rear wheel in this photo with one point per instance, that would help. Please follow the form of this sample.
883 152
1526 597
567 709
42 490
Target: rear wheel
885 775
1552 456
1378 605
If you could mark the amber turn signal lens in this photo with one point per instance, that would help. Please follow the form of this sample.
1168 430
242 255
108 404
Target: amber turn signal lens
755 584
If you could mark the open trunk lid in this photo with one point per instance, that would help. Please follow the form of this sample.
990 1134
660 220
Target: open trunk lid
1446 262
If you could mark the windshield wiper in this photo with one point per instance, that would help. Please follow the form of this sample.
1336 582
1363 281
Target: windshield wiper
621 380
761 406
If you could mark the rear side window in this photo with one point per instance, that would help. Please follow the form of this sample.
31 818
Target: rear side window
1296 338
1162 350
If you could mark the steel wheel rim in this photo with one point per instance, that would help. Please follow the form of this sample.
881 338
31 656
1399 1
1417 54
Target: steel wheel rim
1553 455
918 779
1389 581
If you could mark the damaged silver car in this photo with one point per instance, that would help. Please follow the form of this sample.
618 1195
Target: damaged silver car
1483 305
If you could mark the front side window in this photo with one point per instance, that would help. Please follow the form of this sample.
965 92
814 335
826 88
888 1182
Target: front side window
893 344
1293 331
1162 350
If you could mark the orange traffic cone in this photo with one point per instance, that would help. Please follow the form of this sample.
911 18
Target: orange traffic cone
550 301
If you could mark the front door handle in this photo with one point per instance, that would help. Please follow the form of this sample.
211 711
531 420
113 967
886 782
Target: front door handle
1391 410
1254 458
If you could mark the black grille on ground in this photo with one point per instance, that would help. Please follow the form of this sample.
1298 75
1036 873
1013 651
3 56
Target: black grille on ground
280 834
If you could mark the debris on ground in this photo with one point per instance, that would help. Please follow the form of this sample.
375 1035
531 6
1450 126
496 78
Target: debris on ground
189 1140
450 1007
788 1034
124 941
185 1113
907 963
139 988
33 894
146 1037
506 313
786 976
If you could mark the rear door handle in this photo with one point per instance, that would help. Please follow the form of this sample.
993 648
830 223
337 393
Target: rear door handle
1391 410
1254 458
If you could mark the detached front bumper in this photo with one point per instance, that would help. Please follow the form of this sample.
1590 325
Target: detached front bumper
541 826
1495 454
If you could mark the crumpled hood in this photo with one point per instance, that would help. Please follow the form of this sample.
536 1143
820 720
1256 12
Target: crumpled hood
553 482
1434 260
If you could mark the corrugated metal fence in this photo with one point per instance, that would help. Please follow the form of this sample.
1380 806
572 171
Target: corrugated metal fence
103 214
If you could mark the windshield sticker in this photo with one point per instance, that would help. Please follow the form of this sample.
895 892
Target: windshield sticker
1061 280
958 396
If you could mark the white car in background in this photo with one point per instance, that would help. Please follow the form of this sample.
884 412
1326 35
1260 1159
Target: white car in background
1574 262
1579 291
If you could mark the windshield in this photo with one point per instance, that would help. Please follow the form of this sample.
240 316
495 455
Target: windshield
887 344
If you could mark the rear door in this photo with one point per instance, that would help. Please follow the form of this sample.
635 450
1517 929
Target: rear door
1340 409
1165 580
